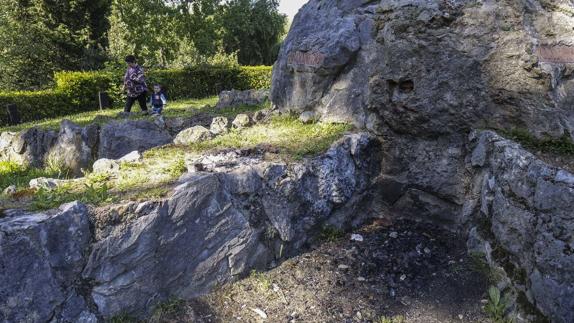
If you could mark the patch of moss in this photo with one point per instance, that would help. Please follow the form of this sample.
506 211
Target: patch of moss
563 146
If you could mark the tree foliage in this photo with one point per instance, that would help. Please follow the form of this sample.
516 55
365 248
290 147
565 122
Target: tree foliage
42 36
253 28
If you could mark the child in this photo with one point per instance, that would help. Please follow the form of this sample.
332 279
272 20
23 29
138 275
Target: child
157 100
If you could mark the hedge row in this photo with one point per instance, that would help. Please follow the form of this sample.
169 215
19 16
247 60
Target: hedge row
77 91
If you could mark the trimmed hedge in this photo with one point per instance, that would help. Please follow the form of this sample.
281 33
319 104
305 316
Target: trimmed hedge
77 91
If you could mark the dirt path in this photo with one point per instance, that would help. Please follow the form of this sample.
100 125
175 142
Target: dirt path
406 271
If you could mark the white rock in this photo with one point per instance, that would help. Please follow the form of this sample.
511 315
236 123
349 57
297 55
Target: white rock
43 182
133 157
192 135
307 117
260 313
357 237
242 121
104 165
10 190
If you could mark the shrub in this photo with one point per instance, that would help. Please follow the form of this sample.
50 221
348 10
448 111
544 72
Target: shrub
77 91
35 105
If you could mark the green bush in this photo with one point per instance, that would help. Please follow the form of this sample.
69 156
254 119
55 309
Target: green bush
35 105
77 91
82 87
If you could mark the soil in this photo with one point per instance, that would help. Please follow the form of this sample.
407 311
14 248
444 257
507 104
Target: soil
405 270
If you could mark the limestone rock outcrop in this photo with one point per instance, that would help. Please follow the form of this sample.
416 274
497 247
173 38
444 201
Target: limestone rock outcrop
218 225
422 75
527 206
42 256
429 68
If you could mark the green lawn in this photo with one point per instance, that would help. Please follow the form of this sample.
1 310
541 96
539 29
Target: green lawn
174 109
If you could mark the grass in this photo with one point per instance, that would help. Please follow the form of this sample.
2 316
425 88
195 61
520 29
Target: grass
392 319
559 146
13 174
261 281
174 109
330 234
287 134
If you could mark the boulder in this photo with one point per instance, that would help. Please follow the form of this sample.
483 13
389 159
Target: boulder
28 147
105 165
75 148
242 121
238 98
219 125
398 64
42 256
192 135
119 138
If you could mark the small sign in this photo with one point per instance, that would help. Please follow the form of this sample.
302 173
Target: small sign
555 54
311 59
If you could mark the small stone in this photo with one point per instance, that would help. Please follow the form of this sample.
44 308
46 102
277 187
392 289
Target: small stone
260 115
307 117
43 182
427 250
242 121
394 235
133 157
10 190
343 267
260 313
403 277
357 237
361 279
192 135
105 165
219 125
460 317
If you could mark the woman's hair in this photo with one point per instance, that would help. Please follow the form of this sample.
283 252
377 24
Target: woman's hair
130 59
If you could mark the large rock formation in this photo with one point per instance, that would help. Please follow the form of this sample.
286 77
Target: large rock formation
428 67
120 138
218 225
423 75
524 207
42 256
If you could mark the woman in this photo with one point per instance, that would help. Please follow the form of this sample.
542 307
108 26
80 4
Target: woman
135 85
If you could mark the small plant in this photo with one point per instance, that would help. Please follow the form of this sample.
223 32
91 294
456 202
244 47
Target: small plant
393 319
168 311
176 168
496 306
262 281
123 318
330 233
91 194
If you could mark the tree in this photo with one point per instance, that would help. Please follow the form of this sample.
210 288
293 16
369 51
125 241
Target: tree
43 36
145 28
253 28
